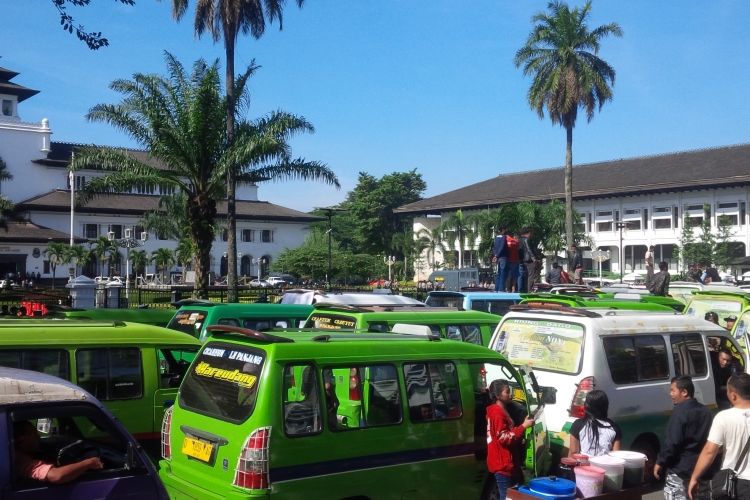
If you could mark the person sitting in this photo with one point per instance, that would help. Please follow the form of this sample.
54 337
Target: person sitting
712 317
726 366
27 466
730 321
594 434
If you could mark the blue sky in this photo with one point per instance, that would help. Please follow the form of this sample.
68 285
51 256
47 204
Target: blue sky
392 85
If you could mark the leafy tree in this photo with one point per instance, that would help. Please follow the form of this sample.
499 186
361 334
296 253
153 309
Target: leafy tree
162 258
93 39
78 254
709 248
561 54
57 253
140 260
432 240
458 229
227 19
104 250
371 204
170 219
185 252
6 206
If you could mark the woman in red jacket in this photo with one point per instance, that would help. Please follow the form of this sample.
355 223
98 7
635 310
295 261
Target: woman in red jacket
502 436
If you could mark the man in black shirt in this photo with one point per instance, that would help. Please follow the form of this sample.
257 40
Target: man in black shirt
686 433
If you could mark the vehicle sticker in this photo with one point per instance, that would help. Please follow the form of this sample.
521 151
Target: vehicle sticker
333 323
241 379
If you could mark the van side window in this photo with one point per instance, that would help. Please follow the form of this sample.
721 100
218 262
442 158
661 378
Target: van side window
432 389
110 373
636 359
50 361
717 343
228 322
689 355
362 396
378 326
465 333
301 400
173 364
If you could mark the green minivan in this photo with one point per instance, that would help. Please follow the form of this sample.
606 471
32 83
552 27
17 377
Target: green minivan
134 369
149 316
264 415
474 327
634 303
195 316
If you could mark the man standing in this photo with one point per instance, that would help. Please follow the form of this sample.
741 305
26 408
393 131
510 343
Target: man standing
500 257
530 261
649 263
576 265
730 431
659 285
686 433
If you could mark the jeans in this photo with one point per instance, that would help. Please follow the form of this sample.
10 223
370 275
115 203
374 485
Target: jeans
505 271
503 483
675 488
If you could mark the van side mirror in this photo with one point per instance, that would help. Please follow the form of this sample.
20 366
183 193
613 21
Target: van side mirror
548 395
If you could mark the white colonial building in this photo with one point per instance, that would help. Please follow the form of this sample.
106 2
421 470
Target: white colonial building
650 195
40 188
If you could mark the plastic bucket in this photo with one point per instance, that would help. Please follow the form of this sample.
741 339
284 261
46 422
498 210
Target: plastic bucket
614 470
589 480
552 488
635 466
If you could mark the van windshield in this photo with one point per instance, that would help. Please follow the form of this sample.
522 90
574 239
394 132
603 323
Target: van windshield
553 346
331 322
722 307
223 382
454 301
188 321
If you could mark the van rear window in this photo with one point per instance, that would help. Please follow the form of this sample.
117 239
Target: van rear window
554 346
188 321
223 382
331 322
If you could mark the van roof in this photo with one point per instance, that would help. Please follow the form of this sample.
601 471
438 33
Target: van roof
240 308
618 321
405 312
476 294
299 296
23 386
51 332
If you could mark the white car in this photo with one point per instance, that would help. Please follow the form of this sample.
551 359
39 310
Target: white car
257 283
275 281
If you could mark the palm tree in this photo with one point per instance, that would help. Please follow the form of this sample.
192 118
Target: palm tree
56 253
227 19
79 255
104 249
185 253
6 205
140 260
162 259
433 241
459 229
561 54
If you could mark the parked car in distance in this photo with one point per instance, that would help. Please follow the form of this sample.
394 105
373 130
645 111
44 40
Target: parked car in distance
382 298
258 283
275 281
71 425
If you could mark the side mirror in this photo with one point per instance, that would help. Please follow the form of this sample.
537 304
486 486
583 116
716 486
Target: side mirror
548 395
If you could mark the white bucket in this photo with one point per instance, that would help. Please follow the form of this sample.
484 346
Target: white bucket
635 466
614 469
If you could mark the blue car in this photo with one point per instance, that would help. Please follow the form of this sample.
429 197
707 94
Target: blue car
58 441
491 302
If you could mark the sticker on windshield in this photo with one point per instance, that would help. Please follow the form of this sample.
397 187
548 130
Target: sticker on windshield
244 380
547 345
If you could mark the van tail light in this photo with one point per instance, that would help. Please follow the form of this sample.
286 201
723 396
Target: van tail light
355 393
166 428
482 377
252 467
578 405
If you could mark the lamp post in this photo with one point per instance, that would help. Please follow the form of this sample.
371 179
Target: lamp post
127 243
259 262
620 225
389 261
328 212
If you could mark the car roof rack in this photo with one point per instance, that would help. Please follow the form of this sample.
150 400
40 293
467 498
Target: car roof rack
549 308
194 302
247 332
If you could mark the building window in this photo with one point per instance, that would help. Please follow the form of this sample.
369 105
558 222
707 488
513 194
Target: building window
117 229
224 235
632 219
47 267
80 182
248 235
662 218
7 107
728 219
662 223
266 236
90 231
743 213
604 221
728 213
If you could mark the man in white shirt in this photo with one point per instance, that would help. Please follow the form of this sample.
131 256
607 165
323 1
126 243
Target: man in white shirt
730 431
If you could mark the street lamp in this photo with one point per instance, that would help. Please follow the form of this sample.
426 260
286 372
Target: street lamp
329 211
389 261
259 262
620 225
127 242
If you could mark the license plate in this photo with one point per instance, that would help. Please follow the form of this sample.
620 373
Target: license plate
196 448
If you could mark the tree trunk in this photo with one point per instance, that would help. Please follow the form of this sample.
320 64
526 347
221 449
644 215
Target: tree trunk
202 212
229 41
569 188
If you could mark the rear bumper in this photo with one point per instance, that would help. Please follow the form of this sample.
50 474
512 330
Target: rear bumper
179 489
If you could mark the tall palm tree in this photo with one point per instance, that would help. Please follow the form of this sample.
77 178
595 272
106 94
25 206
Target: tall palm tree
56 253
6 205
104 250
162 259
78 254
185 252
458 228
140 260
433 241
561 55
227 19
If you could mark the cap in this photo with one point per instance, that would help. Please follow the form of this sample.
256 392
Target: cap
731 318
710 315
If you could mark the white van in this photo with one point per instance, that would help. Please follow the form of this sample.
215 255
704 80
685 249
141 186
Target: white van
630 355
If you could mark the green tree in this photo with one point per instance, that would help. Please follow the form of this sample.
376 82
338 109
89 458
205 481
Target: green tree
371 204
170 219
458 229
709 247
93 39
78 254
140 260
433 241
6 206
104 250
227 19
57 253
561 55
185 253
162 258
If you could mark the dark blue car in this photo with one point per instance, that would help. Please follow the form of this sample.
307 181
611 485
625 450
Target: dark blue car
49 428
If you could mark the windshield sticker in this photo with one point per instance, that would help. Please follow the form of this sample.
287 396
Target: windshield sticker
547 345
333 323
213 351
241 379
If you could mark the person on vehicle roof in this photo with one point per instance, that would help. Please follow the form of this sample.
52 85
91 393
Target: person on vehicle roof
659 285
27 466
503 437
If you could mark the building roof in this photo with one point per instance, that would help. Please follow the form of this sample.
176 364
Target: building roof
134 204
715 167
60 154
28 232
7 87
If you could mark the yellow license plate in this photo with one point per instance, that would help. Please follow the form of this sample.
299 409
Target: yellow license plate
197 449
